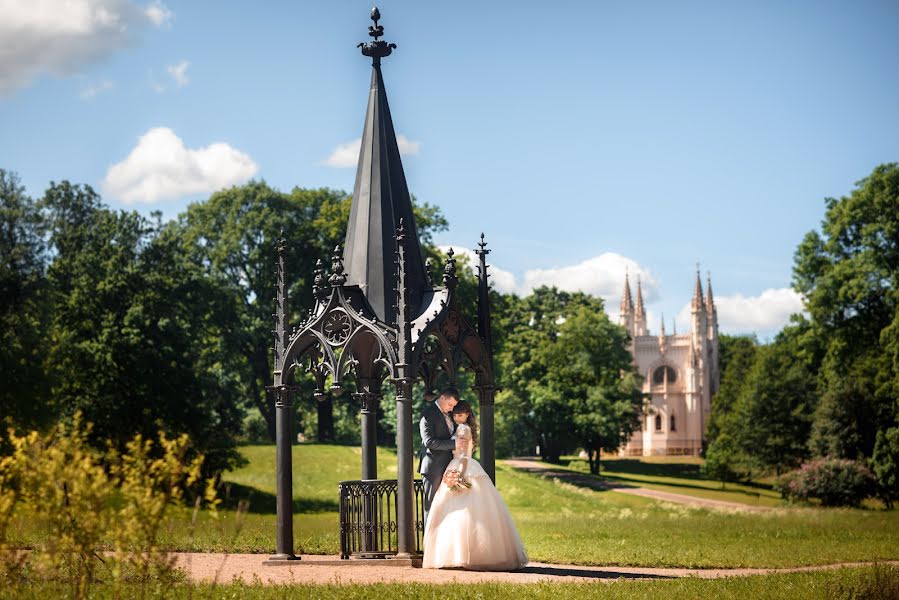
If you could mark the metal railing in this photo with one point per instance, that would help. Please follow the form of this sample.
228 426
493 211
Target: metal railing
368 517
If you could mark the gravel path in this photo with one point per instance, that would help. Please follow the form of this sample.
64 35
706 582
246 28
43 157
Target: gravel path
583 480
316 569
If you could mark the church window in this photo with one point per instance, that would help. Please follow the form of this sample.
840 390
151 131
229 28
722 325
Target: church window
658 422
659 375
673 424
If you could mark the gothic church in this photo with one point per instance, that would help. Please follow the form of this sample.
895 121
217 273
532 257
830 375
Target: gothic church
680 375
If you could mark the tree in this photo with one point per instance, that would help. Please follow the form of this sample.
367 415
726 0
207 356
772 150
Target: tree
564 381
849 275
23 310
761 416
775 407
592 372
885 464
139 335
737 357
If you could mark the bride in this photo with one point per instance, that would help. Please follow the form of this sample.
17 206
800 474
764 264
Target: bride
469 524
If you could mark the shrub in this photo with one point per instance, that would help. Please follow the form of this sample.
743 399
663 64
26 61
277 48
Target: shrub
256 430
92 502
835 482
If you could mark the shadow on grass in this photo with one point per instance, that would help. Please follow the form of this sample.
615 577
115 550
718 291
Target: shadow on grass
630 466
265 502
590 573
625 482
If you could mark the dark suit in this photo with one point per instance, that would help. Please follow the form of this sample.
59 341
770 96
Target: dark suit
436 451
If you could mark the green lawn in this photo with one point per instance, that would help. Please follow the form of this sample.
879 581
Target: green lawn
680 475
871 583
558 522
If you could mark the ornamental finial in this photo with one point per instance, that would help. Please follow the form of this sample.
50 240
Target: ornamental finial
377 49
483 247
338 277
449 270
319 292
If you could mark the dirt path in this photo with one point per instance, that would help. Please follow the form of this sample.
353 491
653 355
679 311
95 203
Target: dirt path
317 569
583 480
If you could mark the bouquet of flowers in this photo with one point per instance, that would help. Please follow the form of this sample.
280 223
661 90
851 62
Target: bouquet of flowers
455 481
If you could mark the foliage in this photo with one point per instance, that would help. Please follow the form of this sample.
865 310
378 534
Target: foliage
885 464
761 415
23 311
723 460
139 335
562 362
590 367
849 276
833 481
81 497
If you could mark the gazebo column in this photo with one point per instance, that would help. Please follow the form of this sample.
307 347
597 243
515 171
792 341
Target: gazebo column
405 495
284 459
486 393
370 402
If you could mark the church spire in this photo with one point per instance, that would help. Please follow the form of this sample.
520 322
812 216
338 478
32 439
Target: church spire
709 300
627 299
640 316
380 201
698 302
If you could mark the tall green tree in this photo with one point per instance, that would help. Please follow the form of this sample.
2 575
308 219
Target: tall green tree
23 308
774 410
564 384
590 368
725 460
762 414
849 275
137 337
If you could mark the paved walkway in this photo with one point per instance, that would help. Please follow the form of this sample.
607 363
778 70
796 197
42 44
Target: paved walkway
584 480
316 569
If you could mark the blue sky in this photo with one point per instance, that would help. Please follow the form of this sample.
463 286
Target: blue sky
583 137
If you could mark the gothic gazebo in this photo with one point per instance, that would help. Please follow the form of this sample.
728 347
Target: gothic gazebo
379 316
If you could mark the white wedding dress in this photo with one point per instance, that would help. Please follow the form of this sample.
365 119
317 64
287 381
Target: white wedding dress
471 528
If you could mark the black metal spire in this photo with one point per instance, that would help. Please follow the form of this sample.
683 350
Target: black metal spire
380 200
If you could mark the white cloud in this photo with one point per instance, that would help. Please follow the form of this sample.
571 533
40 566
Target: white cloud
93 90
347 155
158 13
160 167
49 36
601 275
179 73
764 314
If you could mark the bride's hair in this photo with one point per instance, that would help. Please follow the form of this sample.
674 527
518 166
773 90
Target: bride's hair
462 407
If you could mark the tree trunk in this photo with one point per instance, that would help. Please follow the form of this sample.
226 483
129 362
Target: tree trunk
593 460
325 419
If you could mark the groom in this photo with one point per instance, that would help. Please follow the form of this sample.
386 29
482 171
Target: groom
437 428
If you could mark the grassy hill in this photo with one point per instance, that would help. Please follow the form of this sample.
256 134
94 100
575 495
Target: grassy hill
563 523
558 521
